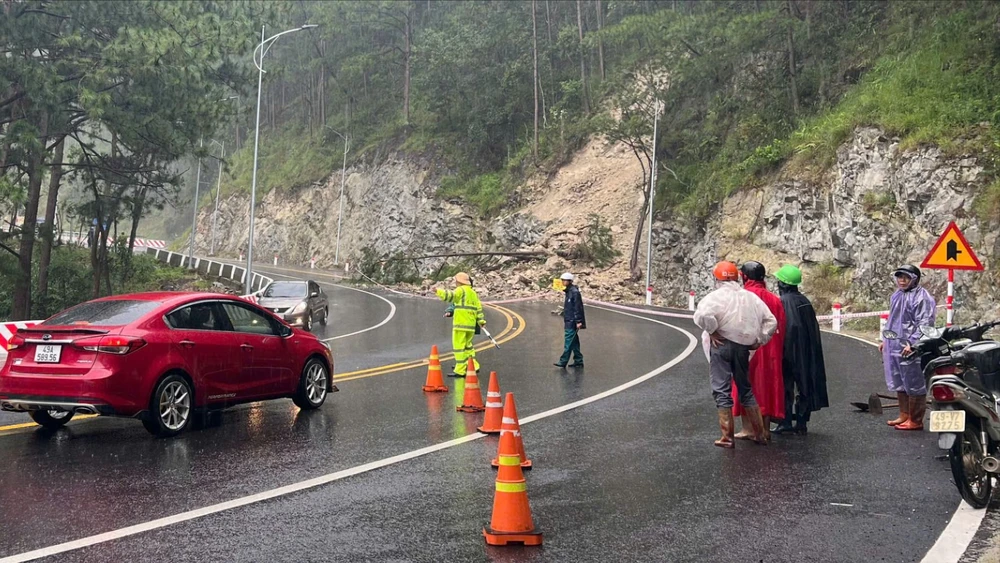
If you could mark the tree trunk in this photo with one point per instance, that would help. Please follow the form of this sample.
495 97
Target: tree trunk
95 240
55 177
791 63
808 19
600 41
633 263
22 285
534 51
137 206
583 66
407 32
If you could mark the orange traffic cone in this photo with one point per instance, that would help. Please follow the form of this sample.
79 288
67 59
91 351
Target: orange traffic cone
473 401
512 426
494 408
511 521
435 383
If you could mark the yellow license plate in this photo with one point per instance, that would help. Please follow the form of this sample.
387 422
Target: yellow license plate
947 421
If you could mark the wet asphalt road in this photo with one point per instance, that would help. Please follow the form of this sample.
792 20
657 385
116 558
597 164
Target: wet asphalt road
632 476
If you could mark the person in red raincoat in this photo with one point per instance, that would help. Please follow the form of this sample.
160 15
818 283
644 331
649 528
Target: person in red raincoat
766 378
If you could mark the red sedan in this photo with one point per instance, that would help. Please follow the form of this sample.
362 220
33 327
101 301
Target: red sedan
161 358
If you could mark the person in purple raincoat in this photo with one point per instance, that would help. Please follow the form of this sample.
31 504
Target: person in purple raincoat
910 307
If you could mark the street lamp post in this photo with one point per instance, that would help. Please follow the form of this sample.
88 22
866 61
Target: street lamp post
343 177
652 193
194 218
263 47
218 190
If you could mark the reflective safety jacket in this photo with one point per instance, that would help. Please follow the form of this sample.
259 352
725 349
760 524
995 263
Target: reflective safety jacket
468 310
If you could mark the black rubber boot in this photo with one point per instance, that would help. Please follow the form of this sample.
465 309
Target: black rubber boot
784 427
801 421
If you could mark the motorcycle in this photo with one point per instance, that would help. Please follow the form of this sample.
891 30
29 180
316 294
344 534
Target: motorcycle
963 373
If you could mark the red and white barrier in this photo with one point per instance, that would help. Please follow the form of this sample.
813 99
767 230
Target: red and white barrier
150 243
691 301
7 330
312 263
275 259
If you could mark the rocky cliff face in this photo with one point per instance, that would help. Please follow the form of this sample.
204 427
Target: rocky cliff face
849 227
877 208
389 207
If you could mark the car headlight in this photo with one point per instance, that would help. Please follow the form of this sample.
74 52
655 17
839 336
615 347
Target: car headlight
300 308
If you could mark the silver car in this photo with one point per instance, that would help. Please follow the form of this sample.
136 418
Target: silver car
299 303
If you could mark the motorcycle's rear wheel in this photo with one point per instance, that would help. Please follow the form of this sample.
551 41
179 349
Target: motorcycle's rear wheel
974 483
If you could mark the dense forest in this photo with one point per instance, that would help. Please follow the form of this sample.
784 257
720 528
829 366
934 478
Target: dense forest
106 107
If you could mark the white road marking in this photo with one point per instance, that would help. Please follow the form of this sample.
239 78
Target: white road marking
329 478
961 529
392 308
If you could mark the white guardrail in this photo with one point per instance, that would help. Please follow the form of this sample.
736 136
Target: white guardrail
211 268
206 267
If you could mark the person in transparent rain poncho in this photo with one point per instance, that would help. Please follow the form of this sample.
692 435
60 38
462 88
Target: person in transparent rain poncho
910 307
735 322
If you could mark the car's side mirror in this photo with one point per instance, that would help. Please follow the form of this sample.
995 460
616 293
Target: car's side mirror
285 331
314 294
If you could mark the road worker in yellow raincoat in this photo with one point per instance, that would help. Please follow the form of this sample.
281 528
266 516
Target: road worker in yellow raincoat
467 315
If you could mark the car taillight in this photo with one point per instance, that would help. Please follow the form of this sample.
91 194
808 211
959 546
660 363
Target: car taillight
943 393
14 343
117 345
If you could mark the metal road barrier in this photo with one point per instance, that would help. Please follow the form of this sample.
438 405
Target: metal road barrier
211 268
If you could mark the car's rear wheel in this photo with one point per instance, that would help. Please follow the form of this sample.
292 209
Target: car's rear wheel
51 419
170 407
326 315
313 385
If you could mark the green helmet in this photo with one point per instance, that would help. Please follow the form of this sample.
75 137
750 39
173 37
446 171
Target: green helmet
789 275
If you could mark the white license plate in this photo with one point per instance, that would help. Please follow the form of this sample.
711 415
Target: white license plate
947 421
48 354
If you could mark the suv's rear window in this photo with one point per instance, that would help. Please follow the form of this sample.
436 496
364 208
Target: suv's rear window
104 313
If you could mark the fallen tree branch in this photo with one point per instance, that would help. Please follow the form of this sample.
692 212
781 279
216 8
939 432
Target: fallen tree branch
464 254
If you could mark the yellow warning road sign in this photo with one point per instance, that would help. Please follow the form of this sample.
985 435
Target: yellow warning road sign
952 252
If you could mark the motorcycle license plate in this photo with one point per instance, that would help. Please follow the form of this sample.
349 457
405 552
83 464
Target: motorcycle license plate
947 421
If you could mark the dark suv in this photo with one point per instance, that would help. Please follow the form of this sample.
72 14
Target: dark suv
299 303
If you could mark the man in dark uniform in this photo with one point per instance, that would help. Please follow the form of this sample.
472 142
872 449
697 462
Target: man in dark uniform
573 322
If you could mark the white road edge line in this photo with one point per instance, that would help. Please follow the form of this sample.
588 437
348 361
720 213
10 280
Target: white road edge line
392 308
329 478
954 540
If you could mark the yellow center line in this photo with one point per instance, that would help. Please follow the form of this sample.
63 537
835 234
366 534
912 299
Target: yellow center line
32 424
422 362
510 315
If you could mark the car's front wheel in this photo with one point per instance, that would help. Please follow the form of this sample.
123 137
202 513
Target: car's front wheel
326 315
313 385
170 407
51 419
307 322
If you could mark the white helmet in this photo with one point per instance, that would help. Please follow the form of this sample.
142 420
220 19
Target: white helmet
566 277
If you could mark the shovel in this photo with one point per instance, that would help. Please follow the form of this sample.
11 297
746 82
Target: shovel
874 404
